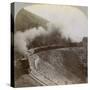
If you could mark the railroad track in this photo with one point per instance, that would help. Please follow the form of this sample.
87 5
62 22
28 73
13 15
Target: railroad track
49 47
36 79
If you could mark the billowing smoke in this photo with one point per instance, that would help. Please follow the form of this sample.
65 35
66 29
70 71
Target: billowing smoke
22 39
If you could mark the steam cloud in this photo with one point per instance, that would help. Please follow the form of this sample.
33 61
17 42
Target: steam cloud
22 39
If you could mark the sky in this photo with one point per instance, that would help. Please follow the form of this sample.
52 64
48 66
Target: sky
20 5
73 20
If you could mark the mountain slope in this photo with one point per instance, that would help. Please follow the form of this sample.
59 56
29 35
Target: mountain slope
25 20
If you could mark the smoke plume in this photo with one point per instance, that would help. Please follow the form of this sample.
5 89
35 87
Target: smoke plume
22 39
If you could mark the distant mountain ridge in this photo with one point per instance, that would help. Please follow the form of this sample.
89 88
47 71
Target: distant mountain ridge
26 20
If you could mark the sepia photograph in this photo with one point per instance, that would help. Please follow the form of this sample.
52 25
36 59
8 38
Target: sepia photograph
49 44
